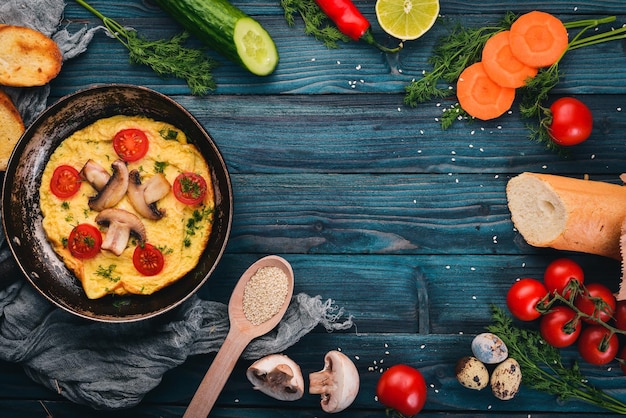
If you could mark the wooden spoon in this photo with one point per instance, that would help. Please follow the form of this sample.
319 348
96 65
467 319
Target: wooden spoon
241 332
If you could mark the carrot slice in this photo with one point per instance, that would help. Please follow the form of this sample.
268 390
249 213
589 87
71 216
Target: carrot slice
502 66
480 96
538 39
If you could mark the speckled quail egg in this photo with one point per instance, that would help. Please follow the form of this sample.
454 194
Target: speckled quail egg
489 348
472 373
506 379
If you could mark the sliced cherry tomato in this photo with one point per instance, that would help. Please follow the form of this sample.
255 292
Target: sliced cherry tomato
597 345
84 241
560 327
572 121
130 144
190 188
403 389
148 260
523 297
598 301
65 181
560 273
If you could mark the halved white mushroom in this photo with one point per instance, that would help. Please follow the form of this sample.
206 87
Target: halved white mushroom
143 197
277 376
114 190
338 382
121 225
95 174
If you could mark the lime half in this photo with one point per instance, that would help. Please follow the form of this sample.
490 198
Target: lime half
407 19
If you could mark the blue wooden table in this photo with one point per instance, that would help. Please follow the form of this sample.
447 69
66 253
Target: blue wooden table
402 224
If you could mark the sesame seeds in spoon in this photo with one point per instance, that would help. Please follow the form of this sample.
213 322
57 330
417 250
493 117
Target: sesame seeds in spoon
256 306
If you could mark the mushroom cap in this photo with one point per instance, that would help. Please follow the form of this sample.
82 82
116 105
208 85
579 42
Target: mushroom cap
338 382
277 376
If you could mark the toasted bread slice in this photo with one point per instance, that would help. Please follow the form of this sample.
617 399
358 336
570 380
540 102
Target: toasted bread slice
27 57
11 128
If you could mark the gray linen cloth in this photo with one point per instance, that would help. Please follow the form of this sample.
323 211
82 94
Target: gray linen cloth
113 366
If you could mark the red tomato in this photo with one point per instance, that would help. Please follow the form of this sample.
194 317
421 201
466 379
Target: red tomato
560 273
560 327
620 315
148 260
65 181
403 389
189 188
572 121
598 301
84 241
597 345
130 144
523 297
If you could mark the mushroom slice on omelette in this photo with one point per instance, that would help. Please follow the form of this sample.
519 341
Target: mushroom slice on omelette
128 205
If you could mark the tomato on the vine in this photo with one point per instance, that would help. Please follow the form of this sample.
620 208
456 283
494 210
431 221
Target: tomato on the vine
130 144
560 327
620 315
523 297
598 301
148 260
597 344
84 241
65 181
559 273
403 389
571 123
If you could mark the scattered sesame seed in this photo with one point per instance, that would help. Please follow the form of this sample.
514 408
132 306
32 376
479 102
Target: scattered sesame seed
264 294
358 67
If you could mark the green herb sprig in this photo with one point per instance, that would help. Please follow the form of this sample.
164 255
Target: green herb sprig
166 57
451 55
542 365
316 23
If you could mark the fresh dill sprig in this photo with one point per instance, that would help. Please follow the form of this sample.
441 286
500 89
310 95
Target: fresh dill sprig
451 55
543 368
166 57
316 23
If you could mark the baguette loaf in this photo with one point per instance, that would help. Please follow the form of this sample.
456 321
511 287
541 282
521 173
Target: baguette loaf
27 57
568 214
11 128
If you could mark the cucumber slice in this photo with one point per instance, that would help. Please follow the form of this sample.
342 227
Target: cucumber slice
255 47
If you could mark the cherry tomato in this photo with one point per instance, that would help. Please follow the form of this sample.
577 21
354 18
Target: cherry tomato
84 241
148 260
65 181
523 297
597 345
189 188
130 144
560 273
622 359
620 315
598 301
572 121
560 327
403 389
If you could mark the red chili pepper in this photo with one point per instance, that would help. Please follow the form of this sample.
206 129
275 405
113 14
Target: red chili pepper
350 21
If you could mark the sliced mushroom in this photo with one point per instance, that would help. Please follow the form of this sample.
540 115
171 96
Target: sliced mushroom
137 194
114 190
95 174
338 382
277 376
122 224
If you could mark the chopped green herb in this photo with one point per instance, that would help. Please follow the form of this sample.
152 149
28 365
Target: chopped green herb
107 273
159 166
169 134
65 205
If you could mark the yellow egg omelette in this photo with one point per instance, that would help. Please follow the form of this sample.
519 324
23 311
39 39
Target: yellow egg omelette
179 229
